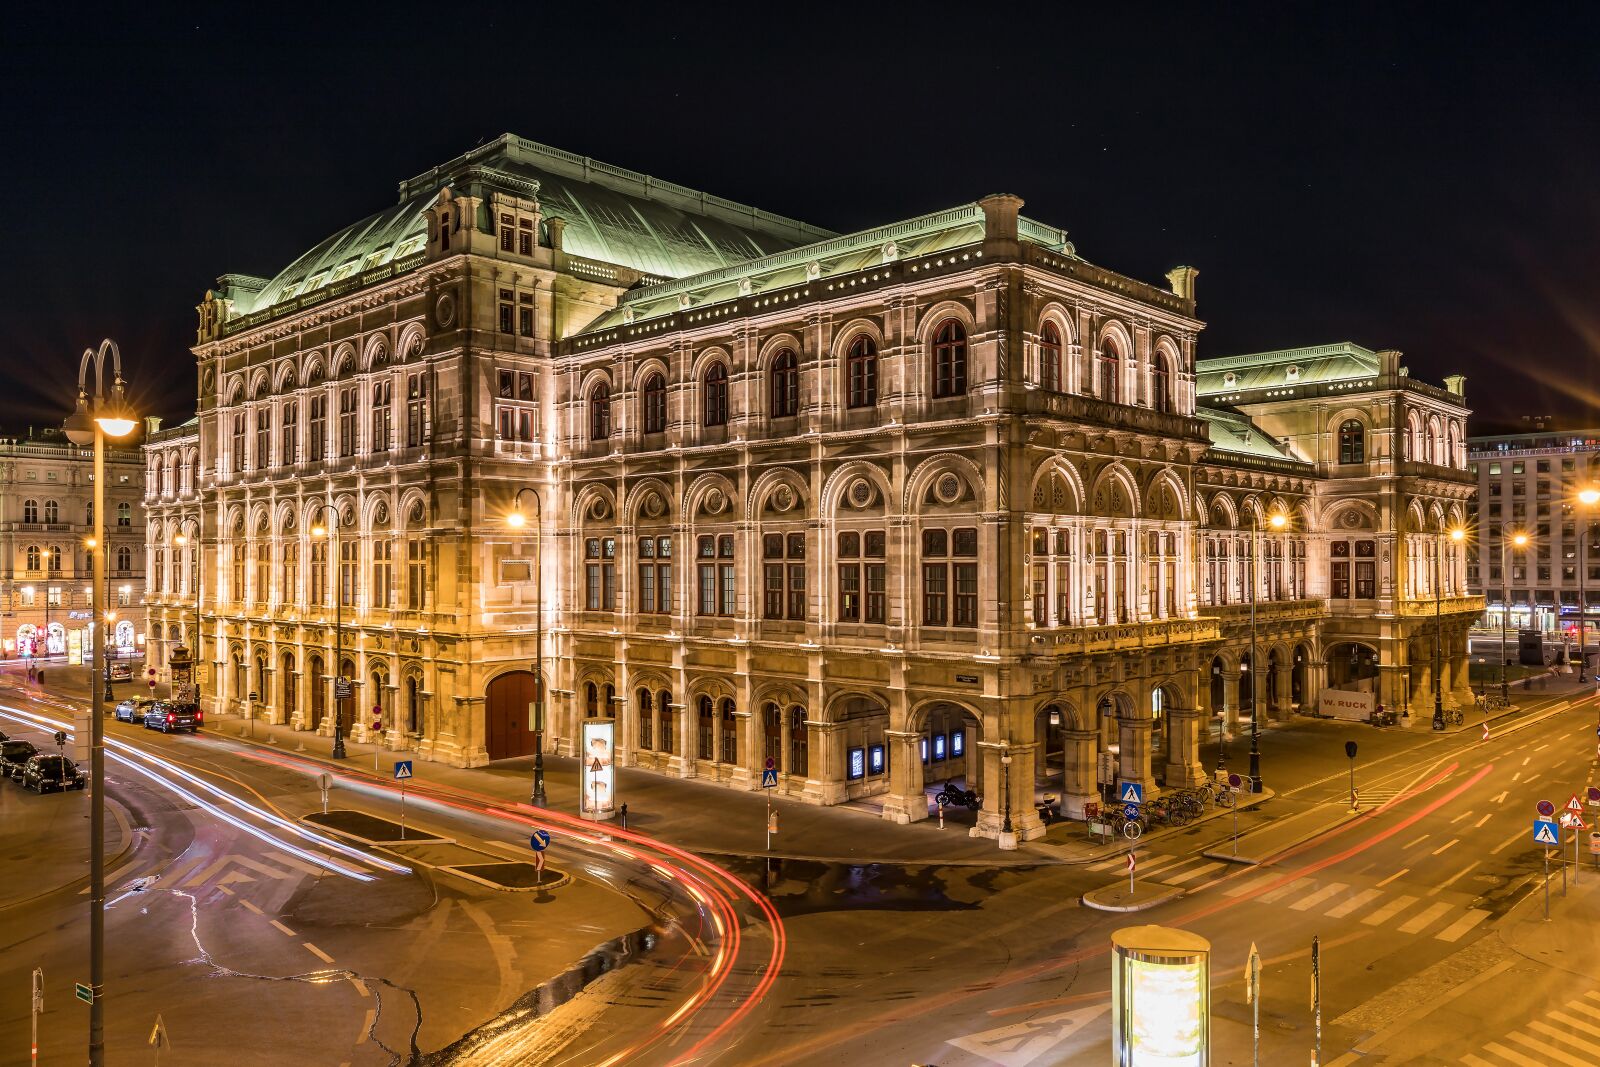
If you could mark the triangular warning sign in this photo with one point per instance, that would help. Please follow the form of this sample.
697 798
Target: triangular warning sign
1574 805
1545 833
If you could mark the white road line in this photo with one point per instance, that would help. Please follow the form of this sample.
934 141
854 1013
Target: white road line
1416 841
1472 1061
1553 1054
1508 842
1247 886
283 928
1580 1043
1542 747
1284 890
1501 799
1458 818
1587 1009
1424 918
1389 910
1446 845
1447 883
1395 875
1458 929
1360 900
1576 1024
361 987
317 952
252 907
1526 760
1515 1057
1517 777
1533 778
1198 872
1483 820
1320 896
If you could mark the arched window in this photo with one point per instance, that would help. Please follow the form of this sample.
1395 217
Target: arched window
1160 384
664 709
716 396
1107 378
591 700
124 514
730 732
1352 442
646 719
30 510
950 359
861 369
785 385
1050 358
124 559
600 412
33 557
53 556
799 757
52 511
708 722
655 404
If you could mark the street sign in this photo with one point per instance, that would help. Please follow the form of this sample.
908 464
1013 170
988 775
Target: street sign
342 688
83 992
1130 811
1235 782
1594 796
1573 821
539 840
158 1035
325 781
1545 808
1105 770
1546 832
769 778
771 764
1350 750
1574 805
1130 793
402 769
252 694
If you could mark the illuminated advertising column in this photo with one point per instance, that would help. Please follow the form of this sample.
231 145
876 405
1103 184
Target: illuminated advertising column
1160 998
599 773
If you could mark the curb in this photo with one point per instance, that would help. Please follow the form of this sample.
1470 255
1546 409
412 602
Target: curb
1163 895
129 844
1251 860
1106 851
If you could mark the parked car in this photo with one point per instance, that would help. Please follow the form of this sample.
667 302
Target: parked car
132 710
49 773
169 715
13 754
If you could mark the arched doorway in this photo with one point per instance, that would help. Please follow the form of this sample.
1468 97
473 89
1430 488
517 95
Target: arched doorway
949 753
1298 677
1246 699
1050 760
506 701
864 730
413 706
286 686
1352 666
319 691
27 640
1269 687
346 708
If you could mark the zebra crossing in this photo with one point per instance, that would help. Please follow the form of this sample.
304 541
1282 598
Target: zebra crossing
1567 1035
1375 906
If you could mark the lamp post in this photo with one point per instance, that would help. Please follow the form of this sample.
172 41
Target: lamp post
1438 635
516 520
1005 768
96 417
1588 498
199 590
1278 521
1521 541
335 561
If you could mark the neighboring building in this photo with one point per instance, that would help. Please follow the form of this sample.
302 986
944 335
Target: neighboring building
1529 483
46 502
929 500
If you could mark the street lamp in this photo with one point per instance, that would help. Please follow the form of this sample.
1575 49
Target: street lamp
335 548
1588 498
1456 535
1005 768
1521 541
1277 521
97 416
517 520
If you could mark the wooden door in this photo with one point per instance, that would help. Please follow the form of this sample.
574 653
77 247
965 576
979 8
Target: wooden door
506 732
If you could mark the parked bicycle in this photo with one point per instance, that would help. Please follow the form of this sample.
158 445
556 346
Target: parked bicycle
1454 717
1120 823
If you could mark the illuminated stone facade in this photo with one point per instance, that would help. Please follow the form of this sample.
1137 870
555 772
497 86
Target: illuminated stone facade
931 500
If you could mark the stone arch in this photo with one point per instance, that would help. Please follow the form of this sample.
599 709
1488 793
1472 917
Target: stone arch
701 488
344 360
1167 478
1054 471
777 343
412 339
584 502
235 391
632 512
313 369
1352 515
941 463
846 335
376 513
376 353
768 483
846 475
705 358
1223 513
1102 495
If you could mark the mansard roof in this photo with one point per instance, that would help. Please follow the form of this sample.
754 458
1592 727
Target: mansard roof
924 235
1284 367
612 214
1233 433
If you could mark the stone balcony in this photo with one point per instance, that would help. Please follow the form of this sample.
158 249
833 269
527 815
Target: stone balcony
1450 605
1268 612
1126 637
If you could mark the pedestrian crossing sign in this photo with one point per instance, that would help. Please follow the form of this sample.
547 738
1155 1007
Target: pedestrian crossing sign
1546 832
1130 793
769 779
402 769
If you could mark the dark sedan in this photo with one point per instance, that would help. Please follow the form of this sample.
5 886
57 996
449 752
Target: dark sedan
169 715
50 773
132 710
13 754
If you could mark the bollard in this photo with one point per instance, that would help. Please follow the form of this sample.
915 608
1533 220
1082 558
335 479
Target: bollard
623 813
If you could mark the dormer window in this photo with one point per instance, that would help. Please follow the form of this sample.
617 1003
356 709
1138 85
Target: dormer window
1292 373
1230 380
525 237
508 232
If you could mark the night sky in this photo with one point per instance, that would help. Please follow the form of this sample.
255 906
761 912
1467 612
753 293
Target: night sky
1422 178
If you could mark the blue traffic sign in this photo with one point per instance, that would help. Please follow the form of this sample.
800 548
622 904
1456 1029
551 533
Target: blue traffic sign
769 779
1130 793
539 840
402 769
1130 811
1546 832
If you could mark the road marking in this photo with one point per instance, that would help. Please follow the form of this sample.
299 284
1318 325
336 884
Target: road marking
1319 896
1458 929
1416 841
1526 760
1472 1061
361 987
1554 1055
1248 886
1389 910
1541 748
225 889
366 1025
1501 799
1447 883
1196 873
317 952
1483 820
1515 1057
1571 1039
1392 877
252 907
1578 1005
1424 918
283 928
1577 1024
1533 778
1360 900
1284 890
1516 777
1507 843
1458 818
1446 845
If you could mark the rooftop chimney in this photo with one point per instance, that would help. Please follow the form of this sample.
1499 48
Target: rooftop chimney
1000 212
1182 281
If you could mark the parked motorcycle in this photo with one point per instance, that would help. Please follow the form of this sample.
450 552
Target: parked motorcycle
950 795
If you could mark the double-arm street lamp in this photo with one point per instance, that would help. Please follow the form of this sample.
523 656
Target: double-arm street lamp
1520 540
329 528
99 415
1456 535
1588 498
1277 521
517 520
199 586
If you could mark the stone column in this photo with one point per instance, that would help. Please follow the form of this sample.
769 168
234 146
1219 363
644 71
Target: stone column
1183 767
906 801
1134 739
1078 781
1230 695
826 755
744 748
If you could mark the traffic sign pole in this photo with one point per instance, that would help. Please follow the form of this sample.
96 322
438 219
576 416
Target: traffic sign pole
38 1006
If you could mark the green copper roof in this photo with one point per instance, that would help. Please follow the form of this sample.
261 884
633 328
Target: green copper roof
1232 432
924 235
1285 367
612 214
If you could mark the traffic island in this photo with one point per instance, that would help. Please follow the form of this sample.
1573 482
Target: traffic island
516 877
424 849
1118 897
367 829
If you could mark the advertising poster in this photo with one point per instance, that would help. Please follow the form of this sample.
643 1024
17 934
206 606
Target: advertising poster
74 647
599 768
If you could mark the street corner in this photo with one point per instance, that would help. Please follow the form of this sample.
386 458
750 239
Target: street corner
1141 897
